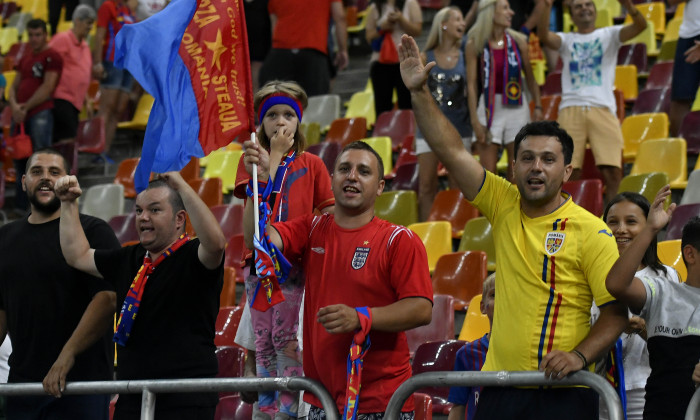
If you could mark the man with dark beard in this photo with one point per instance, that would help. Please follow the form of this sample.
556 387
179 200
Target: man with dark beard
59 318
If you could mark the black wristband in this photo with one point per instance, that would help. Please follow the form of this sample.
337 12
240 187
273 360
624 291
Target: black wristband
583 358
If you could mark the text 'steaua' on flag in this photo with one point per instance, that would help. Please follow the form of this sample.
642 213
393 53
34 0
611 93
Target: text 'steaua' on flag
193 58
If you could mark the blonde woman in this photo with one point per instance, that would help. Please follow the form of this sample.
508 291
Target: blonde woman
448 85
501 55
392 19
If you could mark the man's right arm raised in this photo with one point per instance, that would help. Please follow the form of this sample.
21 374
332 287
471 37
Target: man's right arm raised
443 138
74 244
256 155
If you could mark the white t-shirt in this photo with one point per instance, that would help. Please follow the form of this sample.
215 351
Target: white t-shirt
588 74
5 352
690 27
148 8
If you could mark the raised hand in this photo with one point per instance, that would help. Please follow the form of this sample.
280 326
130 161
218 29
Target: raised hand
173 179
67 188
658 217
413 72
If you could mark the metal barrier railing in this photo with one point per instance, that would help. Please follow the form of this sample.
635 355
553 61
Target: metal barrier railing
502 378
693 411
148 389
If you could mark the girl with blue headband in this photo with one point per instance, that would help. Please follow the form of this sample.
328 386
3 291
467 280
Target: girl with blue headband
302 185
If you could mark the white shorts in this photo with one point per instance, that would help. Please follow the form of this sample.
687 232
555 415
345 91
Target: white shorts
422 145
507 119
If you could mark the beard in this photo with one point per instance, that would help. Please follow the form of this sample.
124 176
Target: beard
45 208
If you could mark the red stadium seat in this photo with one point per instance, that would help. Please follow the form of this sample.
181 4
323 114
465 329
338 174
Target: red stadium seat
660 75
226 325
653 100
406 177
91 136
191 170
442 326
679 218
460 275
327 151
347 130
230 218
232 408
550 107
231 364
397 124
552 84
450 205
124 227
228 291
424 406
406 155
70 152
634 54
436 356
234 254
690 131
209 190
125 176
587 193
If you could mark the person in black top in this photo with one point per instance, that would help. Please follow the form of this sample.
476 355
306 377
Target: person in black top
171 282
59 318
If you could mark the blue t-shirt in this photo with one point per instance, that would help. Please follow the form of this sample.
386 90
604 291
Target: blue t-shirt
469 358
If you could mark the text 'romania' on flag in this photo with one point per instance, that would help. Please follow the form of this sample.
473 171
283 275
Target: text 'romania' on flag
193 58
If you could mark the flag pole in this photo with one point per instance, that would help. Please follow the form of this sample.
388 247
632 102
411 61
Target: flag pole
255 194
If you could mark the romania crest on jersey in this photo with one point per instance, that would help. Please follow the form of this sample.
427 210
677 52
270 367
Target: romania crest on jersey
553 242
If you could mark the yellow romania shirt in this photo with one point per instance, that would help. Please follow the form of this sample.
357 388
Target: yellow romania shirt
549 270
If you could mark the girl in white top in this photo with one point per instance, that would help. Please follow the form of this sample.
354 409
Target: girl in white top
626 216
391 18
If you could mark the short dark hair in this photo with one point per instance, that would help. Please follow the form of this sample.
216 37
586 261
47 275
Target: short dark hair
546 128
48 151
360 145
174 198
650 258
691 235
37 24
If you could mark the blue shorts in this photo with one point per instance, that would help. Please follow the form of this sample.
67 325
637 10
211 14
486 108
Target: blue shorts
686 76
115 78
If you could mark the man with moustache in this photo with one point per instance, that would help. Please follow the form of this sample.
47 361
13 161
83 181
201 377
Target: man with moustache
59 318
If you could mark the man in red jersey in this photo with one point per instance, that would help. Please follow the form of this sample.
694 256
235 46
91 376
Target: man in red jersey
364 277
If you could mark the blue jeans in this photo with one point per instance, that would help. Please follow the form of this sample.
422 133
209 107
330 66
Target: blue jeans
39 127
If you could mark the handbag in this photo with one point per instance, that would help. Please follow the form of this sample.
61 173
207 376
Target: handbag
19 146
388 54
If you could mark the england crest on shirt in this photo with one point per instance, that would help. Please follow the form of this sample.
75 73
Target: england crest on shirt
360 257
553 242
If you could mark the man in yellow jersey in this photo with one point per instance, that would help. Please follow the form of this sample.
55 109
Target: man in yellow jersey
552 259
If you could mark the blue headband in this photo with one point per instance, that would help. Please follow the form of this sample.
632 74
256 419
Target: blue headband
277 99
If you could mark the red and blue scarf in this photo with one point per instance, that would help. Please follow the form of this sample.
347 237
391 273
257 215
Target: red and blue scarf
358 348
132 302
512 77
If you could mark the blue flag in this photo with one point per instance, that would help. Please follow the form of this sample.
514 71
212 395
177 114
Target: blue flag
193 58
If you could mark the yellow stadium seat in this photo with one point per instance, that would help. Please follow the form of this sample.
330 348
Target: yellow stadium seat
398 207
654 12
626 81
647 37
9 79
604 18
8 37
478 236
612 5
669 253
475 324
223 164
234 145
672 28
382 145
143 111
362 105
312 132
437 238
568 24
645 184
663 155
668 50
696 103
680 11
637 128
